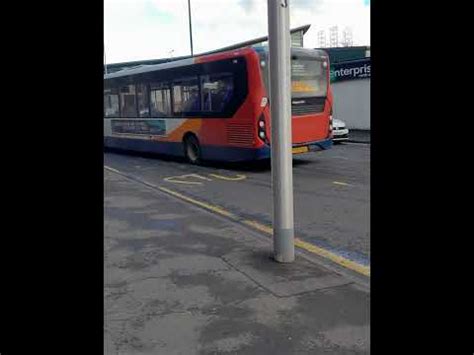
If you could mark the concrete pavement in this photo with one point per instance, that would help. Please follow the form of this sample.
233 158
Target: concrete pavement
180 280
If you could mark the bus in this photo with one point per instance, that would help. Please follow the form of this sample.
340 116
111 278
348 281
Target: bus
216 106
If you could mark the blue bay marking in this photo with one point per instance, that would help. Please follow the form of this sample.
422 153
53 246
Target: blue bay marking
351 255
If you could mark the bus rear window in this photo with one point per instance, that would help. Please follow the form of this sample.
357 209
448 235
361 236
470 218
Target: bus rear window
308 78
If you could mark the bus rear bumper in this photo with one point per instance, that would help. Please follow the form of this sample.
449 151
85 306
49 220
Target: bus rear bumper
318 145
234 154
264 152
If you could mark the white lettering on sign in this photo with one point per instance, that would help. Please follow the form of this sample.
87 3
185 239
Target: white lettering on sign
362 71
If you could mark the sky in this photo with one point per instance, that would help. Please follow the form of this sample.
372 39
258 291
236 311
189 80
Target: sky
152 29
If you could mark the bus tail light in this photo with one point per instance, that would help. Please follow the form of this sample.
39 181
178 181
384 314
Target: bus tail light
261 129
330 125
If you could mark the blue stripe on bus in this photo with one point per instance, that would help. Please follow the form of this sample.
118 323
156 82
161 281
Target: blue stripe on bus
231 154
145 145
320 145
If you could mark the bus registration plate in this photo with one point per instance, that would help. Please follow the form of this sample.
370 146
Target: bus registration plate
298 150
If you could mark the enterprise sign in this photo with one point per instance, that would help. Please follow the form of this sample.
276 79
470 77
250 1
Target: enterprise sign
357 69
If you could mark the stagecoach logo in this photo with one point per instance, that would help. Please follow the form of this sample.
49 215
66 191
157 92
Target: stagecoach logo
148 127
357 69
299 102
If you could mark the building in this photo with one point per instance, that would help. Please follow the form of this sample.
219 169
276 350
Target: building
344 54
350 81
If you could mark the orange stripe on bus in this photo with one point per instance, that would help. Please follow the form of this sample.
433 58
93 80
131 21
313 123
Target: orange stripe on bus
190 125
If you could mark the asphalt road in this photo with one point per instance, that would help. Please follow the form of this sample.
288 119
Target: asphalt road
331 192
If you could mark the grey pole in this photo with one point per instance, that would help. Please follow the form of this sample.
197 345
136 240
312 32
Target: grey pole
105 61
280 108
190 27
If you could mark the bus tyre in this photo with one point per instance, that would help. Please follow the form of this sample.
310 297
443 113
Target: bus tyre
192 149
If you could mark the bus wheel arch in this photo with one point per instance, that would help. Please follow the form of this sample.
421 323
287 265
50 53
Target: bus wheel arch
192 148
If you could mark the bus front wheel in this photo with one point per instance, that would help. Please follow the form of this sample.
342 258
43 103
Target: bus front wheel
192 149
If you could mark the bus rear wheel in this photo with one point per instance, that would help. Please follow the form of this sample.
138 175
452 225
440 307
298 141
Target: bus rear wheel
192 149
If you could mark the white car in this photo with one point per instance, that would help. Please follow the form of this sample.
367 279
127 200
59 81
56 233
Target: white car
339 131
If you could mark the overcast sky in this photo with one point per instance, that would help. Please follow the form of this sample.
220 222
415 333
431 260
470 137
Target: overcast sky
149 29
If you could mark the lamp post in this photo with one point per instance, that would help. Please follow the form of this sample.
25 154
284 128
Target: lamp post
281 147
105 61
190 27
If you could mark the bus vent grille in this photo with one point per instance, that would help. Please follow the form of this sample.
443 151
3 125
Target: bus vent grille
240 133
307 106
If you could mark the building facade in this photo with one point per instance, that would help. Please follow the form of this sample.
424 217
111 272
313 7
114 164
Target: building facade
350 81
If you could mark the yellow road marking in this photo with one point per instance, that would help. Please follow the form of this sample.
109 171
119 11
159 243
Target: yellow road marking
237 178
349 264
340 183
259 226
111 169
172 179
175 179
197 176
205 205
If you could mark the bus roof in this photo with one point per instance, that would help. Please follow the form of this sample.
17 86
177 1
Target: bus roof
317 53
178 63
149 68
189 61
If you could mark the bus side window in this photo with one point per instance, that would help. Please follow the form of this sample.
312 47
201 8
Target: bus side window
160 99
111 103
128 102
143 101
217 91
186 96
